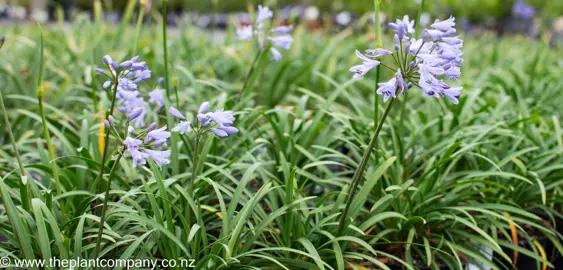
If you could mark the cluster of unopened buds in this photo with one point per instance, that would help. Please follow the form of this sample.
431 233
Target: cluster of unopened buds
280 39
420 62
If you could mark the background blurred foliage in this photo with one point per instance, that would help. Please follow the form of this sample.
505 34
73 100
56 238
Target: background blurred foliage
474 10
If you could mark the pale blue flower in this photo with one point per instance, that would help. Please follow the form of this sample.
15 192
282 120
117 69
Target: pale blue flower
388 89
133 149
106 85
174 112
107 60
158 136
157 96
159 157
222 118
244 33
281 30
135 113
204 107
367 65
523 10
444 26
283 42
183 127
276 55
264 13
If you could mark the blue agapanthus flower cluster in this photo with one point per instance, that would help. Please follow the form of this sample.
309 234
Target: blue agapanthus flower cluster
126 77
523 10
424 62
280 38
219 122
138 146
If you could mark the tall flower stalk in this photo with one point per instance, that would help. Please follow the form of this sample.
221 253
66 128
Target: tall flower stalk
24 193
418 62
123 82
267 38
51 150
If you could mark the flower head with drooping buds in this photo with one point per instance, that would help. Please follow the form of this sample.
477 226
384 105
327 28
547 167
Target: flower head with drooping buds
280 38
421 62
219 122
125 79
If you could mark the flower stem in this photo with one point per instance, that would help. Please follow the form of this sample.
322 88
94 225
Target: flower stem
106 198
23 187
250 71
165 43
360 170
420 9
140 19
106 137
194 165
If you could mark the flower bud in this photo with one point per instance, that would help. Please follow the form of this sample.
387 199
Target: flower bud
2 39
135 113
99 71
412 65
126 64
111 119
407 48
106 85
151 127
108 60
107 124
396 47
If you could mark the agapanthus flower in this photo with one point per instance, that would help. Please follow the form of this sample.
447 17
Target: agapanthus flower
245 33
281 39
159 157
133 146
157 96
366 66
264 13
128 74
183 127
523 10
219 122
174 112
139 151
422 62
157 136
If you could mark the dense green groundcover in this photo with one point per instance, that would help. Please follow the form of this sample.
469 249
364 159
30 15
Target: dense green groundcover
445 182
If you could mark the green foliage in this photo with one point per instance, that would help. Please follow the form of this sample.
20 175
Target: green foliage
435 191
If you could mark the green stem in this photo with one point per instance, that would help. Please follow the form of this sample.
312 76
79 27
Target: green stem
140 19
420 9
165 44
360 170
194 165
106 140
249 75
104 206
40 91
377 23
23 187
